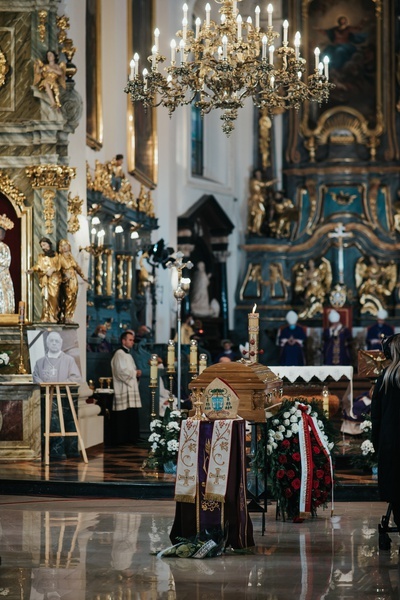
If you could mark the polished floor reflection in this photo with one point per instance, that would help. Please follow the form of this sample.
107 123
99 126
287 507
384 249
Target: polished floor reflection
92 549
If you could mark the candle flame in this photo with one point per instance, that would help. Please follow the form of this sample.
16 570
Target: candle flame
254 308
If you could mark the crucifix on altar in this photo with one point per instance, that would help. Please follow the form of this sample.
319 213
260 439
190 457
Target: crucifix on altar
340 233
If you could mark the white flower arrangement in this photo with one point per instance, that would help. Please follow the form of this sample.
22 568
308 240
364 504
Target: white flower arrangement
164 439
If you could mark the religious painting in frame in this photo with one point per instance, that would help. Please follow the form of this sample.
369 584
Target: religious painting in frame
142 139
94 107
349 34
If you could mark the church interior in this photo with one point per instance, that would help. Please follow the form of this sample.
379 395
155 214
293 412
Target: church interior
231 199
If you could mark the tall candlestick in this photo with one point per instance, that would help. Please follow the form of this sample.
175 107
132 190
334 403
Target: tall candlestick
153 370
21 312
153 58
225 47
198 23
202 363
182 51
297 44
184 28
254 328
132 66
193 357
171 356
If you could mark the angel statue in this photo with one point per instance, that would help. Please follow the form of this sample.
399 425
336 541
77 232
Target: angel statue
313 283
49 76
375 283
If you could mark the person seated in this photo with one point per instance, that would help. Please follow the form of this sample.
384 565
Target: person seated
98 341
227 352
378 332
291 340
143 335
336 341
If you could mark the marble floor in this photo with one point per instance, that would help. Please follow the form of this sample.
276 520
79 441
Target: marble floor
104 549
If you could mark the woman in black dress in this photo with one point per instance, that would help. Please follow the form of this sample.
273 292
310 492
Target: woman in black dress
385 415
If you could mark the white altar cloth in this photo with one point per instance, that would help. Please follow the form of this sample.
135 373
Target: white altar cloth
321 372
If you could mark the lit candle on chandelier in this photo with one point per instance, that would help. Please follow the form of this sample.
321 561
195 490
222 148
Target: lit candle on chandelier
257 11
253 329
326 66
270 9
157 38
208 11
317 53
239 22
21 312
198 23
285 31
173 51
193 357
171 356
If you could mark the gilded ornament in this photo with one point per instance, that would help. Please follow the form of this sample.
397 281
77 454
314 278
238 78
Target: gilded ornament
9 189
48 209
42 14
4 68
312 283
75 208
375 283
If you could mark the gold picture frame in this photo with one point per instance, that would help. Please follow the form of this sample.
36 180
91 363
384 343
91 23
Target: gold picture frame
142 137
94 102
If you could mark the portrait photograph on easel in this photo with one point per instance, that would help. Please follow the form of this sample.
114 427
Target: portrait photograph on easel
54 356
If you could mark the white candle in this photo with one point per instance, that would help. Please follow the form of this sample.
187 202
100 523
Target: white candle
145 74
272 82
271 55
136 67
153 369
132 66
253 329
285 31
239 22
202 363
185 11
198 23
193 356
249 24
234 9
182 51
219 52
21 312
184 28
173 51
225 47
326 66
317 53
269 11
297 38
208 10
153 60
171 355
320 68
264 47
156 37
257 11
223 19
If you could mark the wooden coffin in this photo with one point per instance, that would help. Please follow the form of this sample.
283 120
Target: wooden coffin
255 385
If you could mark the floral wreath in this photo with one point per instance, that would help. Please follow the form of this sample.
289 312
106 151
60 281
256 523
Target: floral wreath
299 440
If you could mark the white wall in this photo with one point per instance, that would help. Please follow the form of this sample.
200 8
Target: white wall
229 160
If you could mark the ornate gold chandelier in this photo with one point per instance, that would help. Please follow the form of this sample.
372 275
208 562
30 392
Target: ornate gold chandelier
219 65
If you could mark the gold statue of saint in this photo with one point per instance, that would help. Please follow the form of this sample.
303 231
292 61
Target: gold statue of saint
258 204
375 283
69 281
7 299
49 76
313 283
48 269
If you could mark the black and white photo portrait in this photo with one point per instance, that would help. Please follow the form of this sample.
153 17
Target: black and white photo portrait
54 356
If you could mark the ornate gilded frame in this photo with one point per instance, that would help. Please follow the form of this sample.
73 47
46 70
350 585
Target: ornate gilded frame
23 212
141 124
340 124
94 106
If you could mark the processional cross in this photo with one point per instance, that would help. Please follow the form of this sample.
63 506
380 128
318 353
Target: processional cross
340 233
